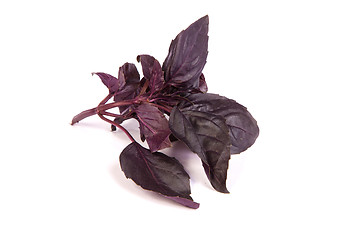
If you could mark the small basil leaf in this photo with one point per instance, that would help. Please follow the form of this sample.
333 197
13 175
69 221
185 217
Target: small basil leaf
243 127
157 172
154 127
111 82
128 74
187 55
152 71
207 135
129 79
202 84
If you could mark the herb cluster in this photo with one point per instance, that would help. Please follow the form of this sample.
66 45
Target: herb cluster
212 126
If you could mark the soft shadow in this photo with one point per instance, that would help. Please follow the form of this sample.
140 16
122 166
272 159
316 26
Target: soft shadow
91 124
235 170
191 162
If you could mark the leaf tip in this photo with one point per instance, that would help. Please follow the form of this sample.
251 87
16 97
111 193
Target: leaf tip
221 188
184 201
226 191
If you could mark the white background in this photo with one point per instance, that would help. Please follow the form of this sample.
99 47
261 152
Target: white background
294 64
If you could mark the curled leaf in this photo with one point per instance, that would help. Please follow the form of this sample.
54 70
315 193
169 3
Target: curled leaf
207 135
152 71
202 84
129 79
242 126
128 74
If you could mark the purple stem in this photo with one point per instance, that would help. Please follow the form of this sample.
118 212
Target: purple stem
108 106
100 109
90 112
117 125
166 109
83 114
111 114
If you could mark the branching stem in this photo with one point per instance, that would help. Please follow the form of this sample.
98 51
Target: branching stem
117 125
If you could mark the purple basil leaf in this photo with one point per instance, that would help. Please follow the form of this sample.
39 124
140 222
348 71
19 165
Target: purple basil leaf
129 79
202 84
203 88
154 127
129 91
207 135
184 201
152 71
187 55
157 172
243 127
128 74
111 82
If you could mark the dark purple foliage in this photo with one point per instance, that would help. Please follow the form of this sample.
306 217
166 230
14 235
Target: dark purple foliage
242 126
187 55
154 126
207 135
111 82
152 72
129 79
202 84
157 172
171 103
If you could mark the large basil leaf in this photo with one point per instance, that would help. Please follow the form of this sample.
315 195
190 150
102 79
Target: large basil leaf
187 55
243 127
157 172
154 126
207 135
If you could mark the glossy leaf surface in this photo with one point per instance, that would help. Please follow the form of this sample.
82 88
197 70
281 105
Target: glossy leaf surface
242 126
157 172
207 135
187 55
